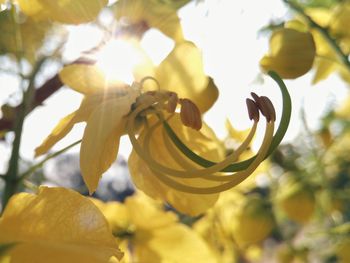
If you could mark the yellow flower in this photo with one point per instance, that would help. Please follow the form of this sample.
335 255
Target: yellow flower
149 117
150 13
108 100
56 225
204 143
104 111
150 235
291 54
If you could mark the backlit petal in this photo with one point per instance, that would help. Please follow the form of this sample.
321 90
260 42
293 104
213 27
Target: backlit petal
182 72
86 79
57 225
66 124
64 11
145 180
100 142
153 13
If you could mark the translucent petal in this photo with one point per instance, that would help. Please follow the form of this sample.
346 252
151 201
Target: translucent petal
66 124
86 79
182 72
100 142
23 39
64 11
154 13
57 225
146 181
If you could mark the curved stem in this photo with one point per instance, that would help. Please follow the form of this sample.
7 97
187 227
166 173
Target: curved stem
239 166
206 173
146 156
50 156
237 179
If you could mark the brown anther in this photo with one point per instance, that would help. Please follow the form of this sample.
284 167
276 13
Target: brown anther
259 103
253 110
267 104
190 114
172 102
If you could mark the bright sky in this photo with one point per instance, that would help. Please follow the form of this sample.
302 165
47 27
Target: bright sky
227 33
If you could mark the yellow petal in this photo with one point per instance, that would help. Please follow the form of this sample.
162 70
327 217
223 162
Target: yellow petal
206 99
153 13
145 180
175 243
33 8
64 11
66 124
156 234
86 79
116 214
57 225
100 142
291 53
182 72
146 214
237 135
339 24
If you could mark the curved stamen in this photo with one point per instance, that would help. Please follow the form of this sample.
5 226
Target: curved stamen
143 80
146 156
193 172
184 163
237 177
239 166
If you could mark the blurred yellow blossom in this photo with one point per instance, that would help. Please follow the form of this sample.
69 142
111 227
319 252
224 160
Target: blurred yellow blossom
151 235
292 53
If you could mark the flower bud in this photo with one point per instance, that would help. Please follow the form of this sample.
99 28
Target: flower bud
291 53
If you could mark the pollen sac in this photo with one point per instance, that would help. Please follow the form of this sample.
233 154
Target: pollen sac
190 114
265 106
266 102
253 110
172 102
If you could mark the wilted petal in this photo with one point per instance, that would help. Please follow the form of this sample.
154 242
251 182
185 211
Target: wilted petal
100 142
57 225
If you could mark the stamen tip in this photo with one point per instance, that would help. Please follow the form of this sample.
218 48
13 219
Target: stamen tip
253 110
190 114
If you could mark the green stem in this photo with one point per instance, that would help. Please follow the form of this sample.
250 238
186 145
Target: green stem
239 166
11 179
40 164
324 32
